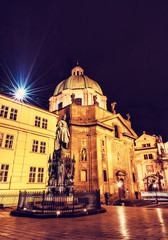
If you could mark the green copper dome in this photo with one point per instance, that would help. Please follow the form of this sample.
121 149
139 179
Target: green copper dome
77 81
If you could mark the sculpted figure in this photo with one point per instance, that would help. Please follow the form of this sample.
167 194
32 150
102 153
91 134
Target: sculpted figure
73 98
128 116
113 107
95 99
62 133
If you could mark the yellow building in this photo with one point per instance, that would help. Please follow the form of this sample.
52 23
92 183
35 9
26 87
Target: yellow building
27 136
152 163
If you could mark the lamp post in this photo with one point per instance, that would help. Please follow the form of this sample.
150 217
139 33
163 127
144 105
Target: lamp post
155 187
119 186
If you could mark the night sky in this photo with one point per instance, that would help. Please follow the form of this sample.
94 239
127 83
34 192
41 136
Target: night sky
122 45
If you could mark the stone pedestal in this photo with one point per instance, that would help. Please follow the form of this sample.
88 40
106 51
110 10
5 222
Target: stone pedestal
61 173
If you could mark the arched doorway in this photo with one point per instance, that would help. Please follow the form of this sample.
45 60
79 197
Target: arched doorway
152 182
121 175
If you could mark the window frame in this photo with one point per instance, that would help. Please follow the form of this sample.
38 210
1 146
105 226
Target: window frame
4 173
4 111
13 114
40 175
42 147
44 123
82 176
37 122
35 146
9 141
32 175
1 139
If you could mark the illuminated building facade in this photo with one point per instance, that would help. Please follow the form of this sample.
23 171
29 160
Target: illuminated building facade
152 163
27 136
101 141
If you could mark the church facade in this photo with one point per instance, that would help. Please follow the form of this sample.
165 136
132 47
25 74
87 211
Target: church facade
101 141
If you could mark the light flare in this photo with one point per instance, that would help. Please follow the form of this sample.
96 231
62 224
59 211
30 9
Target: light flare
20 94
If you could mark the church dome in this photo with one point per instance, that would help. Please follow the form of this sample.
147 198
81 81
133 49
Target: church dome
77 80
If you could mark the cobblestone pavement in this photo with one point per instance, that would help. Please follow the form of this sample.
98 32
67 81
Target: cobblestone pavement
117 223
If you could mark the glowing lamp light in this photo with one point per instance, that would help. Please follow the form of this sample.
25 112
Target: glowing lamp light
119 184
20 94
58 213
154 185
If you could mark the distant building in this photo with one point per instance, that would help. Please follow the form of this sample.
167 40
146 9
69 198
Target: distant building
152 163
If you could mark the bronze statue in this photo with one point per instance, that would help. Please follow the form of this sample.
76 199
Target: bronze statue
62 133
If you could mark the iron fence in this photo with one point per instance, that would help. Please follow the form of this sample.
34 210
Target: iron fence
44 203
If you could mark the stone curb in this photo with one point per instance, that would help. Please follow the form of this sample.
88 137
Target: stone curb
31 214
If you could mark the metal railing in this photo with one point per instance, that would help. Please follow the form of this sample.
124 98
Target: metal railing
45 203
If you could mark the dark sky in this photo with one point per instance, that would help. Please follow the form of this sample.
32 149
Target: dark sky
123 45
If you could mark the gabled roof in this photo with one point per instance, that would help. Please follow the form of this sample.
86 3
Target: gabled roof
147 137
129 131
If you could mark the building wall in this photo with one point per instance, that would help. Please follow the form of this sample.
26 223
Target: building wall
20 156
151 164
92 129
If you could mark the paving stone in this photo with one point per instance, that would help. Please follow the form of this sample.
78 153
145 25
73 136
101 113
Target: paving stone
117 223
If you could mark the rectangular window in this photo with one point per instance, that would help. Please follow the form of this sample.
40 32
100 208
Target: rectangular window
78 101
59 105
42 147
32 174
4 111
150 156
145 156
9 141
13 114
133 176
105 175
4 172
148 144
37 121
40 174
143 145
1 139
84 175
35 146
44 123
116 130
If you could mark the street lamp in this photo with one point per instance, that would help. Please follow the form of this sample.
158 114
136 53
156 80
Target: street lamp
119 185
155 187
